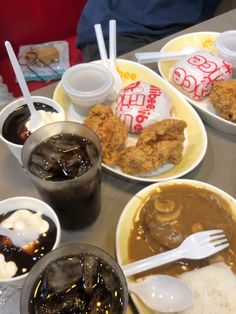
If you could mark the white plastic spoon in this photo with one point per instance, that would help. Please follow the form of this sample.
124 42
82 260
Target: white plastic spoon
37 118
109 63
149 57
19 237
163 293
112 55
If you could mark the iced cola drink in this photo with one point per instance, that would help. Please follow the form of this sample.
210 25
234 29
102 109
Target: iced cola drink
77 278
63 160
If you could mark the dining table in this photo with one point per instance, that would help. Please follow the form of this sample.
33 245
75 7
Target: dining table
217 168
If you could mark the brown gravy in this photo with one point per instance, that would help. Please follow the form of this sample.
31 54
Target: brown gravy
173 212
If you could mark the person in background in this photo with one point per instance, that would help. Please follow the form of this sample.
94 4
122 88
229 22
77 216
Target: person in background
139 22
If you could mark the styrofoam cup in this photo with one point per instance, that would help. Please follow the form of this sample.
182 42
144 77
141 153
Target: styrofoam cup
24 202
17 148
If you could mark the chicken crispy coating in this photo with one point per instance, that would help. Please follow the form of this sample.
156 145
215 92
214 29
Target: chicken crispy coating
168 129
145 158
97 115
223 98
158 144
110 130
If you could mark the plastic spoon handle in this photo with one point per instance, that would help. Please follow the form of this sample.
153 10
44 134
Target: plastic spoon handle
112 40
152 261
149 57
19 237
101 45
20 78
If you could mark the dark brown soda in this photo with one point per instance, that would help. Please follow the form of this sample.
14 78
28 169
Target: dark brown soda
66 157
82 284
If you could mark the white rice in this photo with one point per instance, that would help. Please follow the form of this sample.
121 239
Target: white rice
214 290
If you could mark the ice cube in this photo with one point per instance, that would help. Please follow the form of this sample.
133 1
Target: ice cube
101 302
64 144
62 274
108 276
92 153
90 273
40 172
70 304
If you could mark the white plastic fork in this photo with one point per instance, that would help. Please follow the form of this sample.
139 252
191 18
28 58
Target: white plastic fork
197 246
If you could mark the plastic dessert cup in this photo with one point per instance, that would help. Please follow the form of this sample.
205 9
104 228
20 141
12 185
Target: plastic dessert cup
76 200
23 202
225 45
86 85
17 148
72 275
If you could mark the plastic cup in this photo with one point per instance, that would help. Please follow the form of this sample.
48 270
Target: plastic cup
34 204
87 84
17 148
225 45
77 200
64 253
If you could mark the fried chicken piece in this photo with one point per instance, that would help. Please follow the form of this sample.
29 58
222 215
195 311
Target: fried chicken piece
135 160
158 144
110 130
145 158
97 115
223 98
168 129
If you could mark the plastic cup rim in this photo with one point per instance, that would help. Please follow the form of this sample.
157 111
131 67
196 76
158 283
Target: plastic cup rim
221 46
88 94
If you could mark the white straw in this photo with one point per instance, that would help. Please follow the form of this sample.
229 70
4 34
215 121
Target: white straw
112 40
20 77
101 44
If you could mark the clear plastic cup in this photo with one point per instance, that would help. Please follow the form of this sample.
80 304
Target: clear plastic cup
76 200
87 84
225 45
83 281
17 148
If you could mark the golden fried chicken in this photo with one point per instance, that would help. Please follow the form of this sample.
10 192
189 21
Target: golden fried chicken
223 98
158 144
168 129
145 158
110 130
97 115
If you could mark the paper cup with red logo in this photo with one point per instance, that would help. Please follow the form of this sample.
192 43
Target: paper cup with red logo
141 104
195 75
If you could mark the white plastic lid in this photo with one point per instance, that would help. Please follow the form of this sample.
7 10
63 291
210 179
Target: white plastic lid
87 80
226 46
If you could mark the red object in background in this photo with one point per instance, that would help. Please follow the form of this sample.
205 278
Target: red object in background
33 22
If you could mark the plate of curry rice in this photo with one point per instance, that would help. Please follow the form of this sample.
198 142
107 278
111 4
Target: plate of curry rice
159 217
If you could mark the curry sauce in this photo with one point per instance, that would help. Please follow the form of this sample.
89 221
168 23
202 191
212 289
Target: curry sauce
173 212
